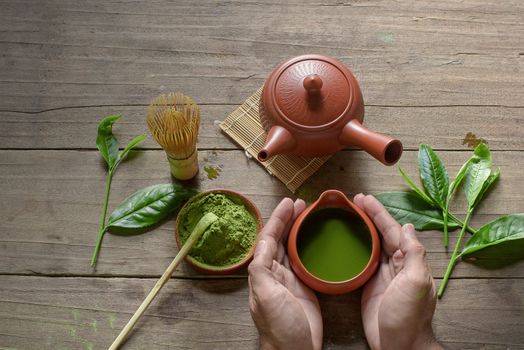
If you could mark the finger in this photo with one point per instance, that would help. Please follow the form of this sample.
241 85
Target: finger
359 201
298 207
415 264
286 278
397 261
277 223
281 253
386 225
286 262
282 275
384 258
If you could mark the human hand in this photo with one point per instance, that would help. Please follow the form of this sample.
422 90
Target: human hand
285 311
399 301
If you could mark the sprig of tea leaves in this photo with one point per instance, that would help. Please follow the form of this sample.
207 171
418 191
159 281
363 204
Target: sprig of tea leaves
107 144
144 208
427 208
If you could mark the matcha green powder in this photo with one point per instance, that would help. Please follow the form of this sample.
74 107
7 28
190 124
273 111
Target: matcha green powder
227 240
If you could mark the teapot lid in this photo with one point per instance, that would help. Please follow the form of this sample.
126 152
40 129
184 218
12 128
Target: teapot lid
312 90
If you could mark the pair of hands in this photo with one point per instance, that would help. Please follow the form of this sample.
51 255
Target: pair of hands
397 303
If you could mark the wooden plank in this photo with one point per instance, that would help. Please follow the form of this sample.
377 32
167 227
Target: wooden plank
59 54
52 200
76 127
88 313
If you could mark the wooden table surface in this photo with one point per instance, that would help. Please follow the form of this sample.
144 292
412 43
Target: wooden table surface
430 71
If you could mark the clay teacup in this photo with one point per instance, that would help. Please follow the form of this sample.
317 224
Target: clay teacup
363 269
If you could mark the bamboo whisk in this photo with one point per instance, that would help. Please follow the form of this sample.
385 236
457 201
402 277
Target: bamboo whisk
174 120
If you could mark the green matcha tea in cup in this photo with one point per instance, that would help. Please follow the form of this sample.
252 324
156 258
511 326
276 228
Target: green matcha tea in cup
333 246
227 244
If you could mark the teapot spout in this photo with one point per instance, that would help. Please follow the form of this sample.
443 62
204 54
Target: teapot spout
278 141
385 149
332 198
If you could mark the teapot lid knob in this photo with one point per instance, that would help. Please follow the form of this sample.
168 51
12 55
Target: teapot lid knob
312 83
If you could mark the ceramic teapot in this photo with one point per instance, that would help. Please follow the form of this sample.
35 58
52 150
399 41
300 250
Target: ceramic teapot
311 105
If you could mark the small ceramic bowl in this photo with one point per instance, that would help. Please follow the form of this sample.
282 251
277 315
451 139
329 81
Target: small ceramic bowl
333 199
221 270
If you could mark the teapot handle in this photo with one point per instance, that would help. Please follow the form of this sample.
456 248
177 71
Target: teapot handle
384 148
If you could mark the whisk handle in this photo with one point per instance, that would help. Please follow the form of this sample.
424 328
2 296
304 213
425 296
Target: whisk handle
200 227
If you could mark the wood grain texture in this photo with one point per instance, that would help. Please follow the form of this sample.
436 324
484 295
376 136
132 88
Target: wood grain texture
75 128
88 313
59 53
429 71
52 202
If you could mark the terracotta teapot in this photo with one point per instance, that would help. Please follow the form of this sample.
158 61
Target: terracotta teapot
311 105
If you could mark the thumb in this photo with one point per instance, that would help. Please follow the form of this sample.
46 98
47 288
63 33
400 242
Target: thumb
263 255
260 268
415 264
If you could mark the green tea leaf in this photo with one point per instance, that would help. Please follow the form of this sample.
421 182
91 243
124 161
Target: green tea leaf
433 174
132 144
487 184
105 141
477 173
147 207
497 238
415 188
458 180
408 207
452 188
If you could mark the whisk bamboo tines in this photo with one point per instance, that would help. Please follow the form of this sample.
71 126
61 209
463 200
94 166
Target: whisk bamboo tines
174 120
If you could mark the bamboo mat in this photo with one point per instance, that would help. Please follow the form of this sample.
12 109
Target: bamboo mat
243 125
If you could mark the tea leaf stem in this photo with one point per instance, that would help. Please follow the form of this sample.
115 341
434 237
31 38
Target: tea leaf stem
101 229
453 259
445 217
460 222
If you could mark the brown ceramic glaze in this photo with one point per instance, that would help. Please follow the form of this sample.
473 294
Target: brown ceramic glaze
221 270
311 105
333 199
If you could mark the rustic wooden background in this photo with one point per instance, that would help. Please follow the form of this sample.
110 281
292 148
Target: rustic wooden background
430 71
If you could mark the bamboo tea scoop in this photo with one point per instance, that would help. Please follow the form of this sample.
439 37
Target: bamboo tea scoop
200 227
